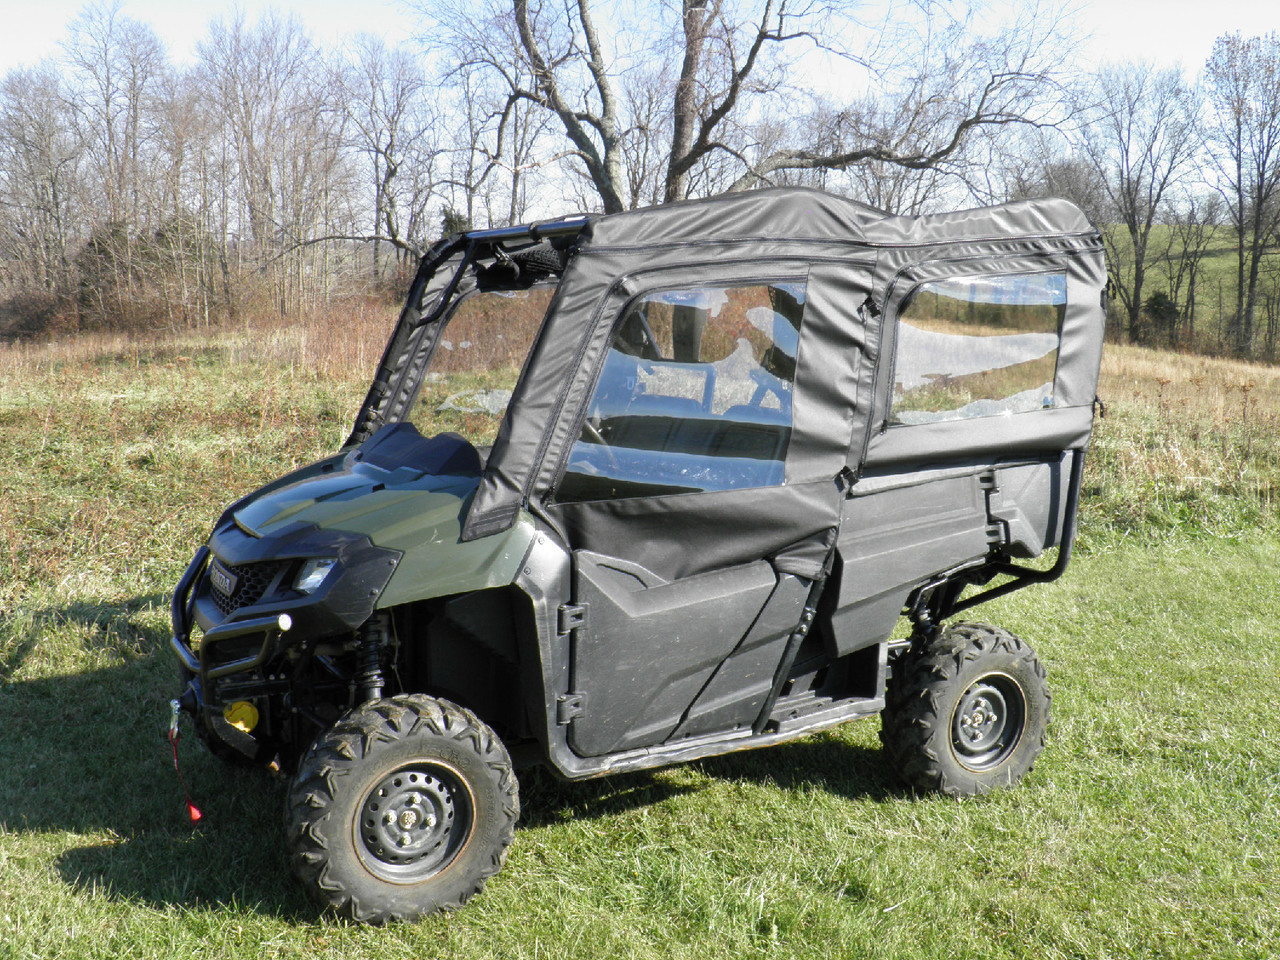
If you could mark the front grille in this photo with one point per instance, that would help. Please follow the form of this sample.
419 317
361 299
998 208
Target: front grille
251 581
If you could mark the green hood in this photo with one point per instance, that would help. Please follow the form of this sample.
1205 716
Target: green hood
363 498
400 507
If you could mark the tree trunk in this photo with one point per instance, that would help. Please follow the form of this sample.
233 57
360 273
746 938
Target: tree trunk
684 104
1135 300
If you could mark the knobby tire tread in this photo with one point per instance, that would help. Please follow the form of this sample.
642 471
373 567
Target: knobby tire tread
349 742
914 717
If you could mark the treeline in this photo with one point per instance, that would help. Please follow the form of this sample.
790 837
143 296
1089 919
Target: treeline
269 176
1183 178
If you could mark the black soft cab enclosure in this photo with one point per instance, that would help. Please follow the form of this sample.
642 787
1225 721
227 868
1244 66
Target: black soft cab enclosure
713 452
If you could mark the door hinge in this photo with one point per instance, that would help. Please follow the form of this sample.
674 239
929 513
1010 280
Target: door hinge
569 707
572 617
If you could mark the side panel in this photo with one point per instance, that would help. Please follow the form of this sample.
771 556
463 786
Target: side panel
734 695
1030 502
649 646
900 531
893 539
438 562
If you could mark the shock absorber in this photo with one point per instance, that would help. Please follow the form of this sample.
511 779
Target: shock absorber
373 640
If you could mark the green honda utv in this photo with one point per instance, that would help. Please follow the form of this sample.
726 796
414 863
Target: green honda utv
715 450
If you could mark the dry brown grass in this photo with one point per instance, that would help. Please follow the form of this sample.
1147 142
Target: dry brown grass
1189 442
1218 391
341 342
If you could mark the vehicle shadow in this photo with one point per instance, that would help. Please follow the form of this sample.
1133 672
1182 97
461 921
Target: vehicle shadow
84 752
546 800
822 762
88 626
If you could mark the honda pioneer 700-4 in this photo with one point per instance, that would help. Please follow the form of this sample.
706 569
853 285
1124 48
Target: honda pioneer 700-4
715 450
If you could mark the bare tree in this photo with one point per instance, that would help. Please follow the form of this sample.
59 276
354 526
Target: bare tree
470 164
723 67
392 124
116 64
520 130
252 75
182 241
1054 175
40 156
499 155
944 85
1191 229
1269 300
1243 77
1141 141
284 172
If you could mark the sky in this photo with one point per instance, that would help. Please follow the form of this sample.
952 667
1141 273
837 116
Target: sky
1165 31
34 28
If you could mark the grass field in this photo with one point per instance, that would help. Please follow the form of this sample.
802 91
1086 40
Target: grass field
1150 828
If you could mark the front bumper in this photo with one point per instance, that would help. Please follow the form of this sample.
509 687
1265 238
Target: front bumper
243 634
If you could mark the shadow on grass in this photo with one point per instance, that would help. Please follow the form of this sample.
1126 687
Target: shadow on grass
86 753
546 800
107 626
822 762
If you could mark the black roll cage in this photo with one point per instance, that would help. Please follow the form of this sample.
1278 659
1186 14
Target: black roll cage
475 245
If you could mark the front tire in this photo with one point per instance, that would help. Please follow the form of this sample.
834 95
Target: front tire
404 807
966 712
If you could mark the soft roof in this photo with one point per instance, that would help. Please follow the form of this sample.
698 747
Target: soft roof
802 214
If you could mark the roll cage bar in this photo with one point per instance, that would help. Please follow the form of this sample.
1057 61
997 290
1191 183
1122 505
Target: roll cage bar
475 246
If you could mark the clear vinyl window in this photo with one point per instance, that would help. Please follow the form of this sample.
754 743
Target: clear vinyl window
477 360
978 347
695 395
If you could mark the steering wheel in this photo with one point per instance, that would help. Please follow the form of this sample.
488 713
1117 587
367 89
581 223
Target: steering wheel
767 383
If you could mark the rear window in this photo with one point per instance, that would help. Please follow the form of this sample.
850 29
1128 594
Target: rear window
978 347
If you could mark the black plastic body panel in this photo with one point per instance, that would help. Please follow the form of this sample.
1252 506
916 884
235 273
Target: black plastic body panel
1030 502
732 698
343 602
649 647
893 539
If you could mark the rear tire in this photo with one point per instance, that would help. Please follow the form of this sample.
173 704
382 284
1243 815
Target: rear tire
404 807
966 712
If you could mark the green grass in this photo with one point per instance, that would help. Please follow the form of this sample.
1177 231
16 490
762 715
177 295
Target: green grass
1150 827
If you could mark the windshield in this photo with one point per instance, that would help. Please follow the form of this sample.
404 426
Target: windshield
478 358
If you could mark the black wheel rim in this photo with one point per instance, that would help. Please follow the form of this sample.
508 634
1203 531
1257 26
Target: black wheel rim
413 822
988 722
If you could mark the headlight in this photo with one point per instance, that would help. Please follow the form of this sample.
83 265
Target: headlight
312 575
